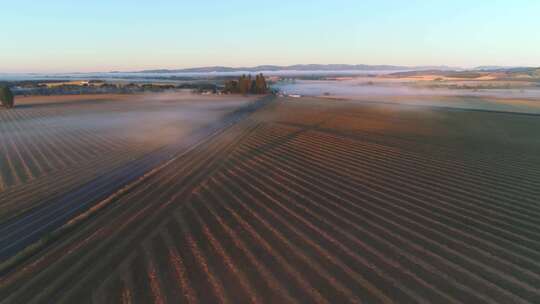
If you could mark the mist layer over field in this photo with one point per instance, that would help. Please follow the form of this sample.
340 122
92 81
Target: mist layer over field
148 76
142 119
55 143
522 100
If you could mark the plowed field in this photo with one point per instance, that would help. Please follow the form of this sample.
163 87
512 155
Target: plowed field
316 201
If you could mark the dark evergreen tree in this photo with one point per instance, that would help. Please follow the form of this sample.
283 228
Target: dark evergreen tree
257 84
240 84
6 97
264 86
253 88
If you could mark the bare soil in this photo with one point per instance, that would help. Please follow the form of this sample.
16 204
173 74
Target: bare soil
317 201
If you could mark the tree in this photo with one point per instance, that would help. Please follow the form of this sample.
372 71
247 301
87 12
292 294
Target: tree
262 88
244 83
247 85
253 88
6 97
231 87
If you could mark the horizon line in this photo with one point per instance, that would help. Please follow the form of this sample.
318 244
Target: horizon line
180 69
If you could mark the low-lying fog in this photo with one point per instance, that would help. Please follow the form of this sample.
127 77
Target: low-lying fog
151 120
149 76
523 100
85 136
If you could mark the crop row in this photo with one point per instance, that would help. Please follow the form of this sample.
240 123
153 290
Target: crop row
298 213
87 251
34 144
294 216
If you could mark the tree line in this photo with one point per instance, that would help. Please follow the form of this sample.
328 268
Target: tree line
247 85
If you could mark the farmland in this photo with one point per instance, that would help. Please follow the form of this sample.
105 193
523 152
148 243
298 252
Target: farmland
61 155
50 142
316 201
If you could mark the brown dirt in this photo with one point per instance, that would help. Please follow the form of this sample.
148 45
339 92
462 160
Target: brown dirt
317 201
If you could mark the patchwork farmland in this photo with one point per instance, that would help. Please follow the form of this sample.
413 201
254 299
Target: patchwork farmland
310 201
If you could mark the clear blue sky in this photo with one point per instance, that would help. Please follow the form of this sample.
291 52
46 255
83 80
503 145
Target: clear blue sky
99 35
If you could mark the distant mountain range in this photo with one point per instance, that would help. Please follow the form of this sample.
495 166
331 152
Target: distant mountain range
301 67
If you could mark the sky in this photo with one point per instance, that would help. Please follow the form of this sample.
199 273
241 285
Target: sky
128 35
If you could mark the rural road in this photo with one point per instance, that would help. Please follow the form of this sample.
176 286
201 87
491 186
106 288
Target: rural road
35 224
